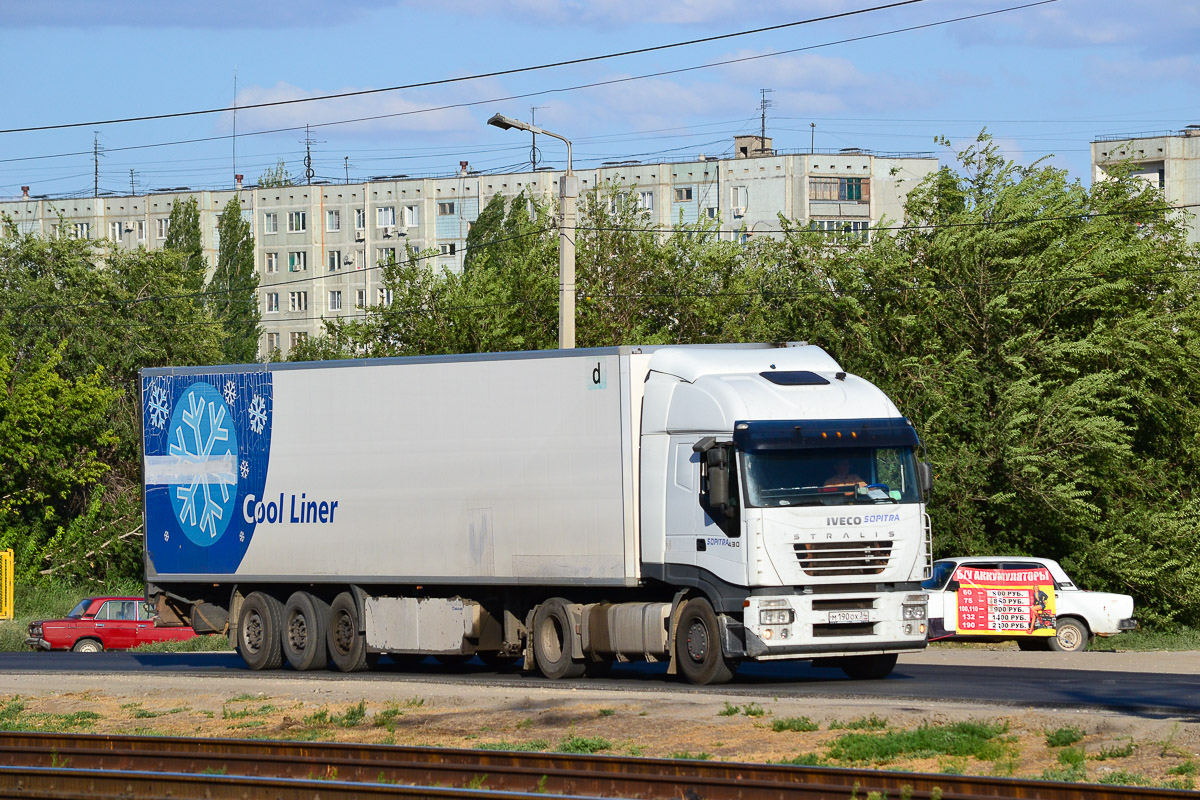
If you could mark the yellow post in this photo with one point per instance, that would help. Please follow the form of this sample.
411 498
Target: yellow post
6 584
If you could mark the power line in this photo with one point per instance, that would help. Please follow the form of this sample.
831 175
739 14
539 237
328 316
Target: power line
479 76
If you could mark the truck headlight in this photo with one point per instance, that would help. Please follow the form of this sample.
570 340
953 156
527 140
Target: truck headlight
776 616
914 611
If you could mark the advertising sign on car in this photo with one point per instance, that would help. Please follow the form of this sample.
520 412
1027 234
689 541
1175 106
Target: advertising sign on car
1012 602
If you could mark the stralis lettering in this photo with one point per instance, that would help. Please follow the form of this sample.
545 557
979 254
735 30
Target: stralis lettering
300 511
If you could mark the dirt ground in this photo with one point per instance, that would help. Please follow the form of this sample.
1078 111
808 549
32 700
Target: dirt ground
1114 747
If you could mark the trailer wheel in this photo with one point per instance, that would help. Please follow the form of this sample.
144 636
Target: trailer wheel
868 668
552 630
1071 636
698 645
347 647
304 638
259 627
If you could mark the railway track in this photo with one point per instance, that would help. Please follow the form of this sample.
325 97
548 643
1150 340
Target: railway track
61 766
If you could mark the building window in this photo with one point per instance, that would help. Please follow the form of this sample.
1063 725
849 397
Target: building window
141 230
737 199
385 217
270 222
446 208
385 297
711 212
360 259
297 301
360 298
271 266
297 261
646 201
333 220
385 255
335 301
683 194
360 219
272 342
447 249
842 227
843 189
272 299
412 216
163 223
297 221
115 229
298 337
335 260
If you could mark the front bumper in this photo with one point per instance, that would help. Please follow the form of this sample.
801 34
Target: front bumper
835 624
37 644
1128 625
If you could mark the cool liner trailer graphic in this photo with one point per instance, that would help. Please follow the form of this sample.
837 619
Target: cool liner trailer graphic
698 505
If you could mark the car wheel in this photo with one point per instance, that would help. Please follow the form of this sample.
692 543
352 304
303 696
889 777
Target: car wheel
88 646
868 668
260 625
304 639
1071 636
552 626
347 644
698 645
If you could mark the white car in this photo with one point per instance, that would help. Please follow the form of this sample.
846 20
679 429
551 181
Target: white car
1022 583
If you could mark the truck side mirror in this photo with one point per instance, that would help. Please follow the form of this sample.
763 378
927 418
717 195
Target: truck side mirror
925 477
717 459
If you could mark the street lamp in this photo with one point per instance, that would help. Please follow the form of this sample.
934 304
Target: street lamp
568 192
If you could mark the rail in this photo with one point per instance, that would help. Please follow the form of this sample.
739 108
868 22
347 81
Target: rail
61 765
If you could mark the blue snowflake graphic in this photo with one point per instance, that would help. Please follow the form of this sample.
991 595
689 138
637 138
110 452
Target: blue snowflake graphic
258 413
206 445
158 408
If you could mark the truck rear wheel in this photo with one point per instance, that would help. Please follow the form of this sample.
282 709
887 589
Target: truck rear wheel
552 631
259 628
347 645
868 668
305 618
698 645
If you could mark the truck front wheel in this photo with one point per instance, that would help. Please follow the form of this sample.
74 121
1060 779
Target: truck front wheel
304 640
552 631
259 627
347 645
698 645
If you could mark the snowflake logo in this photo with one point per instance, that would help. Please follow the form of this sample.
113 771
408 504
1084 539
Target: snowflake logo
205 444
245 468
230 392
258 413
158 408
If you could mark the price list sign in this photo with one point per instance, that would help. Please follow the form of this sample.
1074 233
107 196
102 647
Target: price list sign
1005 601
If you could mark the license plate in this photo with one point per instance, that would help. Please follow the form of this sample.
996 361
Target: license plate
848 616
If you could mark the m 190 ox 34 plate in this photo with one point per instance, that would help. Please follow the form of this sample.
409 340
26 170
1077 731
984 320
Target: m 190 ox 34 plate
848 616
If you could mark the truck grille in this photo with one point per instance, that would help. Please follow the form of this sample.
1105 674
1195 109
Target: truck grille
843 558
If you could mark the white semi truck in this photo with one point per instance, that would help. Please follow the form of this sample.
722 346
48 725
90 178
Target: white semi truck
700 505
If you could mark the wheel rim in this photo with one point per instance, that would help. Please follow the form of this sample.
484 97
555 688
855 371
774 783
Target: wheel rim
1068 637
252 632
550 642
297 632
343 635
697 641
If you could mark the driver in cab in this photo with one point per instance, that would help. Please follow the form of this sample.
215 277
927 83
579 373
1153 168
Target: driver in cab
843 476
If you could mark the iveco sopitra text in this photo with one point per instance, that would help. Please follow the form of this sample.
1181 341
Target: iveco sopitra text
696 505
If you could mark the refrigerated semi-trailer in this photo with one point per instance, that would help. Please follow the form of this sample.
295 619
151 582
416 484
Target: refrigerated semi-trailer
698 505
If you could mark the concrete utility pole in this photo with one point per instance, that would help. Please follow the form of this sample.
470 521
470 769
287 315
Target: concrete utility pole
568 194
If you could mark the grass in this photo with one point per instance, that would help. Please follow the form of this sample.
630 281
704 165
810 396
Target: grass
799 724
981 740
684 755
871 723
353 717
583 745
1072 756
1122 778
750 710
1064 737
532 746
14 717
1067 774
1123 751
1175 638
803 760
248 712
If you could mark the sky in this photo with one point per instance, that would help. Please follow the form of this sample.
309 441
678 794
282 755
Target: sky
1043 80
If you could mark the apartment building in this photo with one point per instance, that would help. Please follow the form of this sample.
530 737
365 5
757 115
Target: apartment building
319 247
1170 160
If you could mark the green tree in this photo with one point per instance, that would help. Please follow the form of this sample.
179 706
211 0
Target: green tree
232 292
276 176
183 237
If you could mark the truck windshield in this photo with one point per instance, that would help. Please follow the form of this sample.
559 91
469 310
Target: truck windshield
820 477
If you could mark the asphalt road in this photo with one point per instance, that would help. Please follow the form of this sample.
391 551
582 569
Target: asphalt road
1138 683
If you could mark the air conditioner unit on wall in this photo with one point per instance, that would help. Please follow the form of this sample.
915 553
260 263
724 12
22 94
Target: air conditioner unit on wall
739 211
387 232
359 236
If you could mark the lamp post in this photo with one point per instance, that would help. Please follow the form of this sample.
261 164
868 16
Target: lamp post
568 193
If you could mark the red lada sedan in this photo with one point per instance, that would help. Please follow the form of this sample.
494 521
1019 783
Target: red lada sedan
103 623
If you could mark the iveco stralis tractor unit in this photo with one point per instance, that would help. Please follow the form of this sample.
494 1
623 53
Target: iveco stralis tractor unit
697 505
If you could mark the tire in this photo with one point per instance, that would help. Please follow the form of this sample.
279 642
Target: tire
698 645
347 645
305 619
260 625
1071 636
868 668
88 646
552 629
1034 643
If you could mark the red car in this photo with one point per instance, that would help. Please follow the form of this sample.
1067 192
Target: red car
103 623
